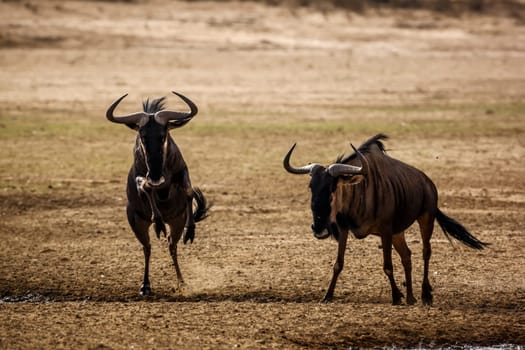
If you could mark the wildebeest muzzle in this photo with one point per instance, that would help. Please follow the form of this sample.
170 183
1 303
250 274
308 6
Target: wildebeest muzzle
320 228
155 183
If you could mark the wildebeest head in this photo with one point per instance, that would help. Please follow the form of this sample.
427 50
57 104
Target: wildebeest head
323 184
153 125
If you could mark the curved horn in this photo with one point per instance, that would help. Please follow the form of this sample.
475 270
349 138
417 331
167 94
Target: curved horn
302 170
362 158
339 169
178 118
125 119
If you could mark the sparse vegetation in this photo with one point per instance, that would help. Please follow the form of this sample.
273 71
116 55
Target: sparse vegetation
513 8
449 91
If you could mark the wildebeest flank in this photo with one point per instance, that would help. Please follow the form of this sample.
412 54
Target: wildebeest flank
159 187
368 192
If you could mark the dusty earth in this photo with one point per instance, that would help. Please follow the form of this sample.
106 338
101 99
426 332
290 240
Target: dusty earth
448 91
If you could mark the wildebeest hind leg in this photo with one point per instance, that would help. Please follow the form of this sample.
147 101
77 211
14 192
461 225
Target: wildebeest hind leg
176 228
404 252
426 225
386 240
140 228
338 265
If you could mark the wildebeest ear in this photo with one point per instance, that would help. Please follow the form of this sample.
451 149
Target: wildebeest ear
353 180
172 124
132 126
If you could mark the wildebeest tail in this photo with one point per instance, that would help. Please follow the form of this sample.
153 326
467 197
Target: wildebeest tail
455 229
201 212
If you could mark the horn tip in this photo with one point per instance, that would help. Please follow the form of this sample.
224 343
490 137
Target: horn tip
121 97
191 104
291 149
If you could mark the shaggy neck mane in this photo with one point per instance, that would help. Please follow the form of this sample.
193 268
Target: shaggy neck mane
365 148
355 197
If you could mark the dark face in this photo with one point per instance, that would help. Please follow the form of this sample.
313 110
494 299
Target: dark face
322 185
153 138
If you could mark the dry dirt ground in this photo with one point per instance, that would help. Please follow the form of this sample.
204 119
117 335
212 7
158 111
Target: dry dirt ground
448 91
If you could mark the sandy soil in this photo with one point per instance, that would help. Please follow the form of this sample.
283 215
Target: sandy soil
448 90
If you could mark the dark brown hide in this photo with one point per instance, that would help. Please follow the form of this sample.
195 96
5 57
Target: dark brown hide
159 189
383 199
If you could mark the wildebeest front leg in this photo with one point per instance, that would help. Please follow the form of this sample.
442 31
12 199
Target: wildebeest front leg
176 228
338 265
140 228
189 229
386 240
150 195
426 225
401 247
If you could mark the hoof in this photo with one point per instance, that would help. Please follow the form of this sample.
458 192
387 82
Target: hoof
397 302
411 301
159 227
427 298
183 289
145 290
397 298
427 301
327 299
426 295
189 234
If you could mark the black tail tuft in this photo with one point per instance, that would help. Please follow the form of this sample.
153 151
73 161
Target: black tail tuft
456 230
201 212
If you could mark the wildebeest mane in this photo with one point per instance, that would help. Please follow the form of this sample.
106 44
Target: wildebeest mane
365 148
374 150
154 106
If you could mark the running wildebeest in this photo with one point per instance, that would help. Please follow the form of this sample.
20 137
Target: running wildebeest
368 192
159 188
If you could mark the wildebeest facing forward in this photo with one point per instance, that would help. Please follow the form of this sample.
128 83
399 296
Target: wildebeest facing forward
159 188
368 192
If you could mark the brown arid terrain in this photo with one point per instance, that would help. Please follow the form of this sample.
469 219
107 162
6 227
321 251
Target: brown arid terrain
449 90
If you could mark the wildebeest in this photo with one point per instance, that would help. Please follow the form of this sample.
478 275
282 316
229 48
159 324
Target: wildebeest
159 188
368 192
